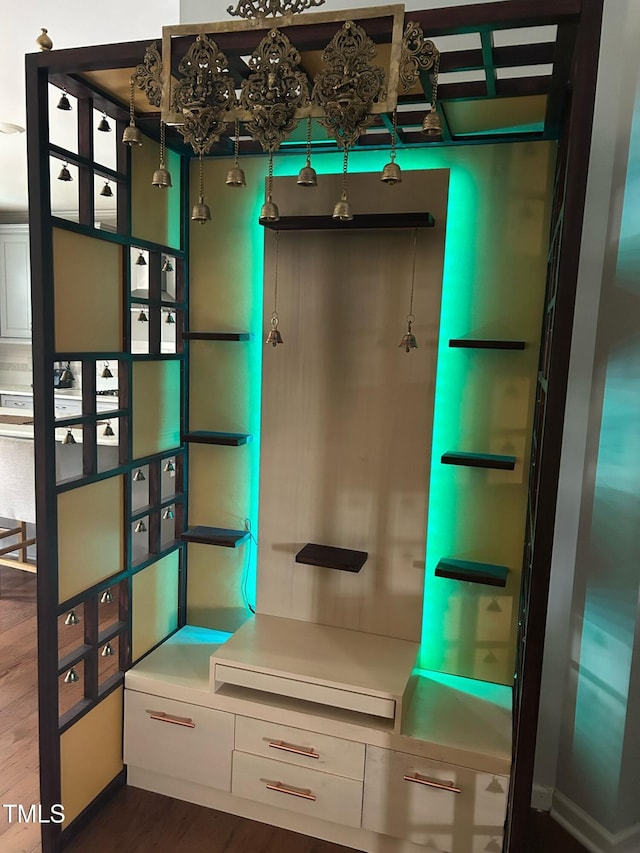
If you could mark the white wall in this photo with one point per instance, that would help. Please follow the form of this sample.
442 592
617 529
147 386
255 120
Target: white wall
71 23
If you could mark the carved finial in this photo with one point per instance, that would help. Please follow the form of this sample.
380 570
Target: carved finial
262 8
43 41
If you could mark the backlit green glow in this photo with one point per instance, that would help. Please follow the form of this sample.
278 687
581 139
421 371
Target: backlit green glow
458 284
497 694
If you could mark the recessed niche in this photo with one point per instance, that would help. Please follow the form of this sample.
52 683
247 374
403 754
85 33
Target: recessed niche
71 684
139 488
104 141
71 627
108 660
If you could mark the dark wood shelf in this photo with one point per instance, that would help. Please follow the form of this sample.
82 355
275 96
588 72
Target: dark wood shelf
229 439
485 343
217 336
467 570
359 222
343 559
479 460
215 536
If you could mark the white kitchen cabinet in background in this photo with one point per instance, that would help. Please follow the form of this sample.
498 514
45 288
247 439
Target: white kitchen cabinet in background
15 282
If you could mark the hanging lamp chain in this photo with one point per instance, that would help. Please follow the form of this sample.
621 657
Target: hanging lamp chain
345 166
163 129
275 295
236 144
410 315
309 140
270 177
201 184
434 87
394 134
132 115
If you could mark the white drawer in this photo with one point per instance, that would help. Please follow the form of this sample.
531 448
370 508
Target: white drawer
178 739
429 810
67 408
16 401
297 789
297 746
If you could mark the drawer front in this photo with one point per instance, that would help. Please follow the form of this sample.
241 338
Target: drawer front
297 789
444 807
297 746
178 739
17 401
67 408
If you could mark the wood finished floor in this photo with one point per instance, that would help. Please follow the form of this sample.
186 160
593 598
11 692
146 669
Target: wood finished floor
134 821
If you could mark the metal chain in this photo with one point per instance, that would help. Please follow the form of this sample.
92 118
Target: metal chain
132 115
434 87
270 177
413 273
344 169
201 180
162 144
236 144
309 141
394 134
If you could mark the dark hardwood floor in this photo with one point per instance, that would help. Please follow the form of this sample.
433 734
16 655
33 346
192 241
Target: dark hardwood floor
134 821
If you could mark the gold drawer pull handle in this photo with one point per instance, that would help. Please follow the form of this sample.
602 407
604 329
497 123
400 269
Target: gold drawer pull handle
304 793
441 786
177 721
298 750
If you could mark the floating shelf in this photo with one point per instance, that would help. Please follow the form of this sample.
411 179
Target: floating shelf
485 343
359 222
479 460
466 570
229 439
217 336
343 559
215 536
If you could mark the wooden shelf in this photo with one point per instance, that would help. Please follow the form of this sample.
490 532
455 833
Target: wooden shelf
229 439
343 559
485 343
359 222
217 336
215 536
479 460
466 570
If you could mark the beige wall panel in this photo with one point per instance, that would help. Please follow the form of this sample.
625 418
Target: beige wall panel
347 415
155 604
90 537
214 594
91 755
156 407
87 275
219 485
155 212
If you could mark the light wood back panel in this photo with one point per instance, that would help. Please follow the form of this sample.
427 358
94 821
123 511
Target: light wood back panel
155 212
88 293
156 407
155 604
90 535
91 755
347 414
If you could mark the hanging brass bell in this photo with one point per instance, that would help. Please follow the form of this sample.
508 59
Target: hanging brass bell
167 266
108 430
307 176
71 677
171 320
65 174
169 468
106 597
142 316
141 261
235 177
408 341
106 191
104 126
106 371
131 135
391 174
342 210
139 477
72 618
167 515
274 337
140 527
107 651
64 103
200 212
269 211
162 177
68 439
432 124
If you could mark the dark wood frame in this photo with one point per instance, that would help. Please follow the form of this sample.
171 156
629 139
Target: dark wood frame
571 91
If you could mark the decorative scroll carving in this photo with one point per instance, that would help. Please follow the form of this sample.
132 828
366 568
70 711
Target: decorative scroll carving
417 54
262 8
350 85
274 91
148 75
203 94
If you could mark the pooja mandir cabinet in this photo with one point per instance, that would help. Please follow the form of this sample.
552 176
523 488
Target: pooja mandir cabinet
198 634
